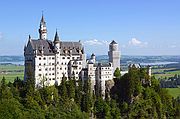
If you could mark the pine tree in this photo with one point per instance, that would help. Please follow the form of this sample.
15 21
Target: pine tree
86 103
63 88
71 88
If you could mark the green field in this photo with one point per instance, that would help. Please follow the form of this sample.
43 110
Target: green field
10 72
175 92
164 74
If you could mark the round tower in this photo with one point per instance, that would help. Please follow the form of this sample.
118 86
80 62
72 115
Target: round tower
114 55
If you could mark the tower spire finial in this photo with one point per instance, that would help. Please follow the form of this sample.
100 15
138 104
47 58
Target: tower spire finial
42 18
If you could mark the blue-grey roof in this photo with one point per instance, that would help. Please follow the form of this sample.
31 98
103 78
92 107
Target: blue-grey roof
47 46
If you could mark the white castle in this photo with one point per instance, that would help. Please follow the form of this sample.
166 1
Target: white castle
49 61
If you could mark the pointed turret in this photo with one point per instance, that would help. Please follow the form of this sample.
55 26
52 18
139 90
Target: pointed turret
56 42
56 38
42 29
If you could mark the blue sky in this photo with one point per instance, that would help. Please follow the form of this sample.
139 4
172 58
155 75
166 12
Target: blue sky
140 27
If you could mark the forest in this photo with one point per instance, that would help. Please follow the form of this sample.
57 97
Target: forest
134 95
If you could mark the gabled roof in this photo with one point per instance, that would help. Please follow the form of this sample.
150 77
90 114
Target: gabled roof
73 47
47 46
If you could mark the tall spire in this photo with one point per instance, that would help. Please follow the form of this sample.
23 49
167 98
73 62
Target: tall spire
42 29
42 19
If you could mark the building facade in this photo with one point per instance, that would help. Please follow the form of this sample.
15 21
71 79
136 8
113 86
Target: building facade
49 61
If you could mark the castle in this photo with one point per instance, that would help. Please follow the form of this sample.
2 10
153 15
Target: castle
50 61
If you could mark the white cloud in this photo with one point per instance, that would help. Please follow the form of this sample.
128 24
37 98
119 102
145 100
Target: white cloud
1 35
136 42
172 46
96 42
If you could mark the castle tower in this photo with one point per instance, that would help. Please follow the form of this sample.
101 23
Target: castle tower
42 29
57 58
114 55
56 41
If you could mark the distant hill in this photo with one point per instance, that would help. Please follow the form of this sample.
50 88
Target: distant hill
125 59
11 58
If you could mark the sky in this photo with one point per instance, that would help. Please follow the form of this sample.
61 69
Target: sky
140 27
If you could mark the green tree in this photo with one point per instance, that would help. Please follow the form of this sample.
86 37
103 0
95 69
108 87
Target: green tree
71 88
10 109
117 73
63 89
86 103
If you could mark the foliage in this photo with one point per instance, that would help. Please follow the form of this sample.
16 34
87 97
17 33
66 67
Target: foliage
117 73
130 98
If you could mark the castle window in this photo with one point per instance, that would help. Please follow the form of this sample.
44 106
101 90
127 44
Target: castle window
44 63
62 63
65 68
76 72
44 58
39 74
53 78
49 57
46 74
39 69
57 72
52 73
49 73
46 69
40 64
49 63
39 58
49 69
52 57
52 68
57 62
60 68
68 57
79 62
52 63
63 57
73 58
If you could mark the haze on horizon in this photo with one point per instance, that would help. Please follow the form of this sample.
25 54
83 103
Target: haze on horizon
140 27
